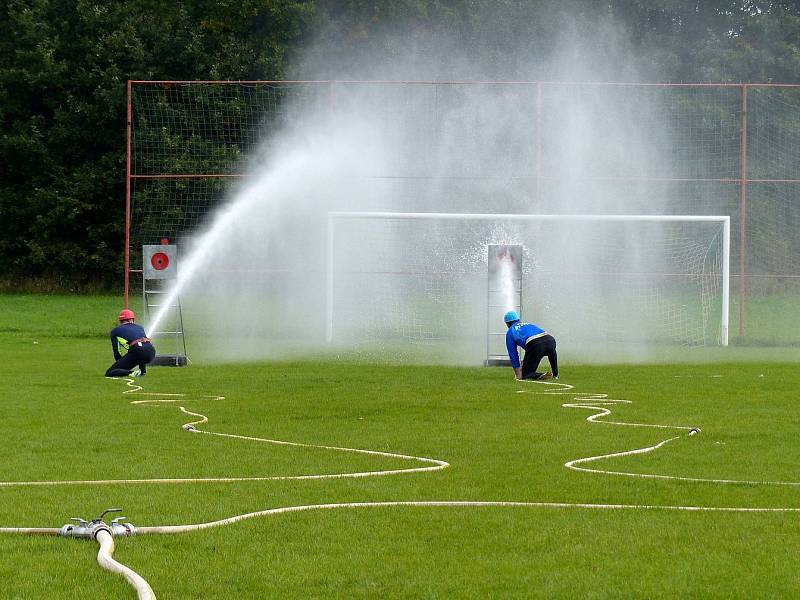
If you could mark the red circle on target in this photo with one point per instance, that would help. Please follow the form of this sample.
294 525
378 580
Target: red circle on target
160 261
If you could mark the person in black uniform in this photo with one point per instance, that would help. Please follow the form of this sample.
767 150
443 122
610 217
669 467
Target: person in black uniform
130 338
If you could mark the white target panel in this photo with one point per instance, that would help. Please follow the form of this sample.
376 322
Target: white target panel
159 261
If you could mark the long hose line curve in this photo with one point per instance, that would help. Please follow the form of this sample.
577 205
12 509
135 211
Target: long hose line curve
599 404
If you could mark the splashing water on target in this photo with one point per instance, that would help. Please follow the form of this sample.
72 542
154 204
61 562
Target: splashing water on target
507 287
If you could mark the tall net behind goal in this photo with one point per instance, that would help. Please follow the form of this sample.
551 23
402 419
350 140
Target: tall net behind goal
643 279
501 147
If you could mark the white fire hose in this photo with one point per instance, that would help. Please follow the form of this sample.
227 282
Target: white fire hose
104 534
32 530
105 560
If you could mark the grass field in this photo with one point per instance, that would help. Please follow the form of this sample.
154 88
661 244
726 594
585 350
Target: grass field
505 441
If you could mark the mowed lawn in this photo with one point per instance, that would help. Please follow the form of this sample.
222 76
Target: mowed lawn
61 420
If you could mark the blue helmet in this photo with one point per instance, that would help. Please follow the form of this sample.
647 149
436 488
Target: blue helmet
511 316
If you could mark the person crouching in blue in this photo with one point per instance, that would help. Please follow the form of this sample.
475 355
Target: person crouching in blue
537 343
130 338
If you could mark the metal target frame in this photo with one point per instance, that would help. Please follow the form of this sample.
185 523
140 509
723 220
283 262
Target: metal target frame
159 270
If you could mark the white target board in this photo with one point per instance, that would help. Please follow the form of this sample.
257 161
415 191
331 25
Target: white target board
159 261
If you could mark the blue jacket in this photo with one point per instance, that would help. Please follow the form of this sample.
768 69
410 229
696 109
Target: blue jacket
516 336
121 335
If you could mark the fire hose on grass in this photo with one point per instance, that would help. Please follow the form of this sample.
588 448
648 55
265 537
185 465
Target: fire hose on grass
104 535
105 560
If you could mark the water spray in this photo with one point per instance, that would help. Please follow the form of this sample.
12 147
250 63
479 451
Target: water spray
507 284
504 264
228 222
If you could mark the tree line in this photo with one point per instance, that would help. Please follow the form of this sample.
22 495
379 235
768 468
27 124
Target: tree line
64 65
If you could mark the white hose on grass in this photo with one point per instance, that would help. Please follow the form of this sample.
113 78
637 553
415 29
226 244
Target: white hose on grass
106 560
598 403
32 530
104 556
432 464
172 529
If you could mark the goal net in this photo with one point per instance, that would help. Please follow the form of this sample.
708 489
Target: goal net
422 277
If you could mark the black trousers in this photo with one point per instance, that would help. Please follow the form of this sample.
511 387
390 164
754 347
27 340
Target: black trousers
137 356
535 351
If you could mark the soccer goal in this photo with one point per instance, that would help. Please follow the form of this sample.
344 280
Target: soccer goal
654 279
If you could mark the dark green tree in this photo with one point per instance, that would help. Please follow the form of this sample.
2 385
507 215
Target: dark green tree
63 71
64 66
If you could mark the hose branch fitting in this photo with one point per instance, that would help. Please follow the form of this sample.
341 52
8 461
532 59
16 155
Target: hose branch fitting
89 529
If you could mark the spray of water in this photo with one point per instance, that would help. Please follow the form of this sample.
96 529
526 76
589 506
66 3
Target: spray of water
256 281
224 227
506 276
267 228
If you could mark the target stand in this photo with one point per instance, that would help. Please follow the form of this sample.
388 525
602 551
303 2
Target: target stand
159 271
504 293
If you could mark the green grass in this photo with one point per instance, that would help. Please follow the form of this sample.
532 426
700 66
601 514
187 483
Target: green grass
61 419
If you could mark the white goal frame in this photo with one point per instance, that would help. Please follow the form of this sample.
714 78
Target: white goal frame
724 220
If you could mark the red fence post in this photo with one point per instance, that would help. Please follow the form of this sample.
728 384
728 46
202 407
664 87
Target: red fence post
127 260
743 210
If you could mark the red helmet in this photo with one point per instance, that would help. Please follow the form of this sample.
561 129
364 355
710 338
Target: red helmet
126 314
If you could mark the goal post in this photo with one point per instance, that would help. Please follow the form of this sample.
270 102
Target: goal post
644 278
